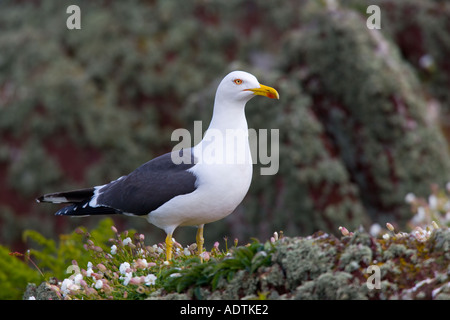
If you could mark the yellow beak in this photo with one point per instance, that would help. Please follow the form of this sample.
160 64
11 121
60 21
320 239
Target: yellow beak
265 91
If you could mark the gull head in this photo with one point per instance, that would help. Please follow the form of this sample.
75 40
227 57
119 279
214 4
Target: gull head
240 86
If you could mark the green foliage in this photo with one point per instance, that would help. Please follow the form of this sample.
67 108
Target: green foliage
15 275
248 258
53 257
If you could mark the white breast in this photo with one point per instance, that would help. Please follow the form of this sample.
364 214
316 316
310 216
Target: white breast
221 186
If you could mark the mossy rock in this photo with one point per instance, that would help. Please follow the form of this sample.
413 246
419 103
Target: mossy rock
320 266
323 266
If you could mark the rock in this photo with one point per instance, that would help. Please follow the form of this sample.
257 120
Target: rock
43 292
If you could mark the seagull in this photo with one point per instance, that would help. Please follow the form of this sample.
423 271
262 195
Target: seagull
188 187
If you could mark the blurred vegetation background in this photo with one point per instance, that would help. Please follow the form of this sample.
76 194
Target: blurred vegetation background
363 114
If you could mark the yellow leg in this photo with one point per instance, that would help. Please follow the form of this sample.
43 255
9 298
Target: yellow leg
169 245
200 241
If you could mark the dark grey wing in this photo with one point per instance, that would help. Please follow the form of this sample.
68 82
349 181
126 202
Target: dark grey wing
142 191
149 186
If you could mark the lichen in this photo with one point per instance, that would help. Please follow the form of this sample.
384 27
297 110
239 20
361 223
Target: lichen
331 286
302 260
322 266
354 256
43 292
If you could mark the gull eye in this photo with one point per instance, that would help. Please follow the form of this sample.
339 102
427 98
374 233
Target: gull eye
238 81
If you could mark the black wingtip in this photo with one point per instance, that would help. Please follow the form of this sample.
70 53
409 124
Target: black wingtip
84 209
67 210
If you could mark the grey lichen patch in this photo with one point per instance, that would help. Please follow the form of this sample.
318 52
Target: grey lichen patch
338 285
243 284
43 292
391 268
355 255
396 250
302 260
272 277
441 242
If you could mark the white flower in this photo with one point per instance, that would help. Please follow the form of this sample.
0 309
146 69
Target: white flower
32 298
186 252
421 234
89 265
123 267
158 249
433 202
126 279
78 278
410 197
126 241
150 279
426 61
113 249
98 284
64 286
68 286
386 236
420 216
89 271
375 229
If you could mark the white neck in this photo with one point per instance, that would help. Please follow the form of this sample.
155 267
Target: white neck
227 133
228 116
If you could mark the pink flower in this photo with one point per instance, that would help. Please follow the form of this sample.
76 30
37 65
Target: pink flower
101 267
205 255
135 280
344 231
141 264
